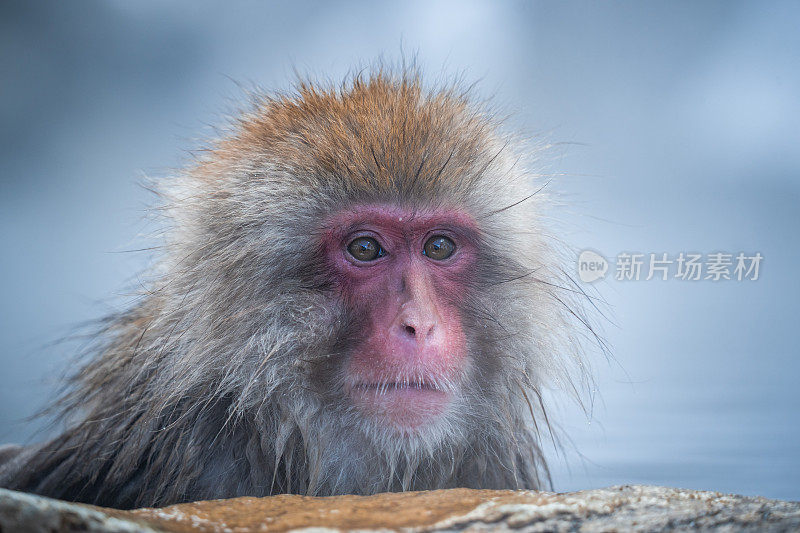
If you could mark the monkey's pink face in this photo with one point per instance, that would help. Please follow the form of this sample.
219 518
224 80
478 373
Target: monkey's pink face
406 274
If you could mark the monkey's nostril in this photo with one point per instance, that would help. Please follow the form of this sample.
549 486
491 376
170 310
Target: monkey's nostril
410 330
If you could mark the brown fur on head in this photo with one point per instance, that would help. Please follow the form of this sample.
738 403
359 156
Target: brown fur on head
229 376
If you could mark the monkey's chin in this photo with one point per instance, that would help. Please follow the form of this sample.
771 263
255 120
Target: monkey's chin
406 407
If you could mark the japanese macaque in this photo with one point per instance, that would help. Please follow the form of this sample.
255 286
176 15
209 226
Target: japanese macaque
357 294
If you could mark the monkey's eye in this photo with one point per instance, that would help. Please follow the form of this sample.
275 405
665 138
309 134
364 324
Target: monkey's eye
439 247
365 249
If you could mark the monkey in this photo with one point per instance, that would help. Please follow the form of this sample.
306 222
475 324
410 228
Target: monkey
357 292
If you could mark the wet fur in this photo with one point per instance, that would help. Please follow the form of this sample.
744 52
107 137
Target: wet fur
225 378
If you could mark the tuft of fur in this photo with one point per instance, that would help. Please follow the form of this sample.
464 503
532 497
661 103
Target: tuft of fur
222 380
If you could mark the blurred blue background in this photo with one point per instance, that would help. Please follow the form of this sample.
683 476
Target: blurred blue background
682 124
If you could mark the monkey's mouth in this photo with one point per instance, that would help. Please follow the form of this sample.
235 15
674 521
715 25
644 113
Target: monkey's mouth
383 388
406 405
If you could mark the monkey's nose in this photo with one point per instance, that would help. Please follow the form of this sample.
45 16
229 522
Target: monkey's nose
418 330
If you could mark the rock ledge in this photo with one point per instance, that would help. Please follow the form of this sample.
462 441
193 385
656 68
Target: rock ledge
627 508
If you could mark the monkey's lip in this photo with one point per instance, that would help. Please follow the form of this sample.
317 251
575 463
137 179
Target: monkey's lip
394 386
405 405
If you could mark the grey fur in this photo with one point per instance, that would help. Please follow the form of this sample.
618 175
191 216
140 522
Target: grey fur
223 379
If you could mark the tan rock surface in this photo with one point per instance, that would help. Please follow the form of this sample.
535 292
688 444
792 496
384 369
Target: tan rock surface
626 508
